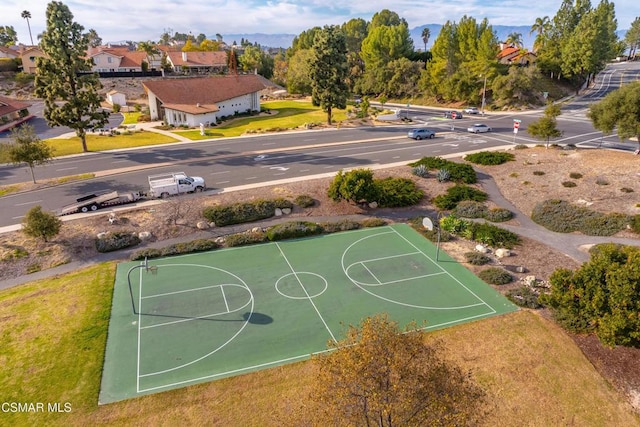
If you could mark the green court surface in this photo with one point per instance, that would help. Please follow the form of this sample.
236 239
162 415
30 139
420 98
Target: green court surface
195 318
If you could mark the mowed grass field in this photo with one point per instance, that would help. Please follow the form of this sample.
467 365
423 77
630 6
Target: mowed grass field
53 335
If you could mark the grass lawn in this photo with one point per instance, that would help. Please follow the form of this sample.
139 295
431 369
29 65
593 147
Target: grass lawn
131 118
64 146
52 343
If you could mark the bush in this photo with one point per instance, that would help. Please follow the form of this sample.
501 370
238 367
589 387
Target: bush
304 201
498 215
292 230
146 253
569 184
246 238
476 258
524 296
354 186
575 175
456 194
538 173
563 217
397 192
604 225
491 235
453 224
458 172
239 213
421 170
118 240
470 209
520 147
342 225
373 222
38 223
443 175
495 276
490 158
601 181
635 223
626 190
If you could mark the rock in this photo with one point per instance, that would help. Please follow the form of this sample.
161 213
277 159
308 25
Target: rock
286 211
530 281
256 230
220 240
503 253
373 205
212 224
202 225
520 269
278 212
102 235
144 235
482 249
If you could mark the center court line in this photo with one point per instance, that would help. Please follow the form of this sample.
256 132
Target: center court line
307 293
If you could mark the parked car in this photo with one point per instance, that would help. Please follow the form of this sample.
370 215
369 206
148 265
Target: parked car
421 134
453 114
479 128
471 110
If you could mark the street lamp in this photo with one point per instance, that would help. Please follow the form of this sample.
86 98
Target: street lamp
484 90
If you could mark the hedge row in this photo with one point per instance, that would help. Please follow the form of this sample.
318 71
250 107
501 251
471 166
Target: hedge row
118 240
459 172
473 209
563 217
490 158
198 245
239 213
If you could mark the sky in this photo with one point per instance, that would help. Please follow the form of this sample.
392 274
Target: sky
142 20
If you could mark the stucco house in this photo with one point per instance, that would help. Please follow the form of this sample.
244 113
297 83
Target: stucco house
13 113
28 57
512 55
198 62
119 59
202 100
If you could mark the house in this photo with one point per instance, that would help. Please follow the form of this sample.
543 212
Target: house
120 59
197 62
512 55
7 52
28 57
115 97
192 101
13 113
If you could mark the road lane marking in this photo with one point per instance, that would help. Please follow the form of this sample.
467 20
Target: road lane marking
28 203
218 173
66 169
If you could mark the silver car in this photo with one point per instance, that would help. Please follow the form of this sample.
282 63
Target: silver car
479 128
471 110
421 134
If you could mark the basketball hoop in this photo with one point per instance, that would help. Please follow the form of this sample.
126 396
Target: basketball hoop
153 269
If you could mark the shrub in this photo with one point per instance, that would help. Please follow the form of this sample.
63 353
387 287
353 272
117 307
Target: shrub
626 190
116 108
602 181
563 217
373 222
495 276
569 184
146 253
443 175
490 158
538 173
470 209
397 192
38 223
575 175
199 245
604 225
458 172
476 258
524 296
456 194
342 225
304 201
238 213
246 238
498 215
117 240
144 118
354 186
453 224
520 147
635 223
491 235
432 235
421 170
293 229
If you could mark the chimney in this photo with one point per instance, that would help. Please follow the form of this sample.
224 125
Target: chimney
184 56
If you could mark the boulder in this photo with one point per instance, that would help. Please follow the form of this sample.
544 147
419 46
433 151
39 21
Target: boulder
503 253
256 230
278 212
373 205
144 235
202 225
101 235
520 269
286 211
482 249
212 224
220 240
530 281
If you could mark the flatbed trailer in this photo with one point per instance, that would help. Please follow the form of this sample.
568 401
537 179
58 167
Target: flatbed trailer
93 202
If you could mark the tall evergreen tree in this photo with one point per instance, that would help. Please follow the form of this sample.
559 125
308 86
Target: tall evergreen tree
329 70
63 77
632 38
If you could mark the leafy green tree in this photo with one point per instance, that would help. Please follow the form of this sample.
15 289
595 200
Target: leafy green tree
546 127
8 35
632 37
299 72
255 59
328 71
602 296
355 186
71 99
27 15
94 39
384 44
386 18
619 110
41 224
303 41
384 376
28 148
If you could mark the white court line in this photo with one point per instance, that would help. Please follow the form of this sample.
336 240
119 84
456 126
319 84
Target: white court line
204 316
139 320
449 274
224 297
183 291
371 273
402 280
305 291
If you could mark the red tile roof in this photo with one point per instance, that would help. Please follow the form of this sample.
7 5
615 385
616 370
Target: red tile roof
8 106
194 59
510 50
206 91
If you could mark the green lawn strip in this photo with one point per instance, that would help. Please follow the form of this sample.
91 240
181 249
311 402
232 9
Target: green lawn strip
4 190
64 147
131 118
52 344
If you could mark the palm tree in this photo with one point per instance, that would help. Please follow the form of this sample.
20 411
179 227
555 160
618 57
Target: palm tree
514 39
27 15
426 33
541 25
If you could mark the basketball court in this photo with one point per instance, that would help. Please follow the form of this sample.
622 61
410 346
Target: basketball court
195 318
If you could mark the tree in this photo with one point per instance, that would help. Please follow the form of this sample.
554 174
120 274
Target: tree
618 110
94 39
63 76
27 15
8 36
356 186
426 33
546 127
632 38
541 25
28 148
328 71
37 223
380 376
602 296
514 39
298 72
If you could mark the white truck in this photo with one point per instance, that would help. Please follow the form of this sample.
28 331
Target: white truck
93 202
168 184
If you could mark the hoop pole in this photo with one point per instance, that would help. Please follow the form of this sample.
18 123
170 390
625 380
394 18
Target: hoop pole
144 265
